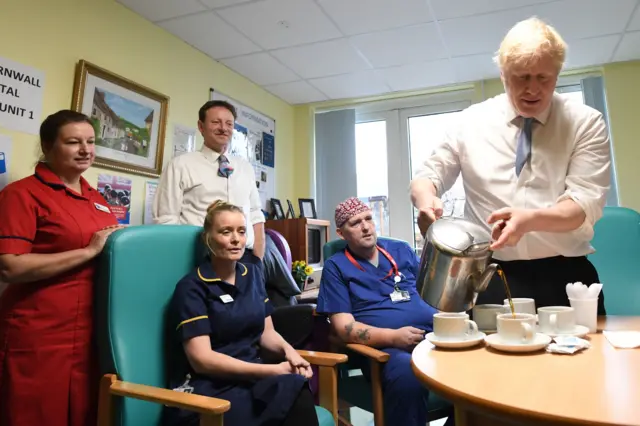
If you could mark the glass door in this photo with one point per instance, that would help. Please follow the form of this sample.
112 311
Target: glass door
372 168
425 129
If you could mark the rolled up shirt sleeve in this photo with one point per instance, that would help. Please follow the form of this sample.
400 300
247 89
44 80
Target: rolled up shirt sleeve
442 167
255 213
167 204
589 174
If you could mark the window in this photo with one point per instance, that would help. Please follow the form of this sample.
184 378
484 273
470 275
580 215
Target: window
371 158
572 92
372 170
392 137
425 133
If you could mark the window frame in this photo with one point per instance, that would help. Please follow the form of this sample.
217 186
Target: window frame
396 115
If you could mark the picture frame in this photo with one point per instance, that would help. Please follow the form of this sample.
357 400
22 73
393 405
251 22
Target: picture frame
307 208
276 209
129 119
291 213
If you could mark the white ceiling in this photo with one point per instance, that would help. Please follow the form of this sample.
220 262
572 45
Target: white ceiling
314 50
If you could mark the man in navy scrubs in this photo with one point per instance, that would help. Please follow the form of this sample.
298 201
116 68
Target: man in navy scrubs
369 291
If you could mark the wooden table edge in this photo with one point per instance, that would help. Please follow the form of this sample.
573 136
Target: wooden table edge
485 406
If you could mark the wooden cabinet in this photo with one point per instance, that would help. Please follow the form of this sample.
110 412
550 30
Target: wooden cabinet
306 237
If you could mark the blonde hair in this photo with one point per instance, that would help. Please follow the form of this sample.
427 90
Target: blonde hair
213 210
528 41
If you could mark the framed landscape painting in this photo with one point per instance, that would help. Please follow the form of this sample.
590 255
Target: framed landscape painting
129 120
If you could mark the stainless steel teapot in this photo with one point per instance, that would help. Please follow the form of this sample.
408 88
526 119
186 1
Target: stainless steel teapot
454 266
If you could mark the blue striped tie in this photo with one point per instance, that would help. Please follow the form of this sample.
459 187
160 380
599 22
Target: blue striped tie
225 168
524 145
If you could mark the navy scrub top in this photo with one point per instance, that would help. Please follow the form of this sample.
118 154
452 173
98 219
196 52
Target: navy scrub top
344 288
234 328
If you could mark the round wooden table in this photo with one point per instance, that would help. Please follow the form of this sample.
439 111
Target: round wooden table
597 386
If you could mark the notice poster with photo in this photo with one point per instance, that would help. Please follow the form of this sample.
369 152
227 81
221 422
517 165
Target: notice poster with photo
184 140
254 140
117 191
149 196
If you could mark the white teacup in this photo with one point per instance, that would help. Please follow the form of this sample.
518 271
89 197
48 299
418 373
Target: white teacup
521 329
453 326
485 315
556 319
522 305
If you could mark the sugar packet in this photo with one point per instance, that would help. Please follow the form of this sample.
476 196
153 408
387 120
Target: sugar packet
568 345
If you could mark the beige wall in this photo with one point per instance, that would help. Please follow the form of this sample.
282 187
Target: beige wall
52 35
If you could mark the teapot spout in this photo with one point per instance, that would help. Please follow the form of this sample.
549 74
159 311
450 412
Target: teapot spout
486 276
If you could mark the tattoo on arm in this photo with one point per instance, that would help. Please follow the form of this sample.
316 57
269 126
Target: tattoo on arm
363 334
349 328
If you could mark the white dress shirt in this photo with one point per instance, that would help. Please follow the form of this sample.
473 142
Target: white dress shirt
570 159
190 183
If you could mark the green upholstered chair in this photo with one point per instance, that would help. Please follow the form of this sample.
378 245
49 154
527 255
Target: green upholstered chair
617 259
355 389
138 271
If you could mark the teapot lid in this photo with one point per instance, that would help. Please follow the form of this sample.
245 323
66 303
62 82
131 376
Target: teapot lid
459 235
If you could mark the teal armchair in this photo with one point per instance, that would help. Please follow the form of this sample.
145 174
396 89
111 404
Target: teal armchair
138 271
617 259
355 389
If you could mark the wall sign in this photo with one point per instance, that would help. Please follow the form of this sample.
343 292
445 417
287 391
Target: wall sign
21 93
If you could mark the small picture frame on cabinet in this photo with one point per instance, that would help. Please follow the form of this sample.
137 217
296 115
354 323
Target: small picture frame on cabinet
277 212
291 213
307 208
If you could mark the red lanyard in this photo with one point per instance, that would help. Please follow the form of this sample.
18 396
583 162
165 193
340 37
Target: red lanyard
392 271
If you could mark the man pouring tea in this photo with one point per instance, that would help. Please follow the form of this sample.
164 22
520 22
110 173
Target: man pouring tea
535 169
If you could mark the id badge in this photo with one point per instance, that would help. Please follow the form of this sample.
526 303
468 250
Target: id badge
400 296
226 298
102 208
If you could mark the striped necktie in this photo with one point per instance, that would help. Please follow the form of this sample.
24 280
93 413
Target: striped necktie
225 168
523 152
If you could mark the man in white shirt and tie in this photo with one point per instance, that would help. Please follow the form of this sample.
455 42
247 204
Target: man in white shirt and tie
192 181
535 169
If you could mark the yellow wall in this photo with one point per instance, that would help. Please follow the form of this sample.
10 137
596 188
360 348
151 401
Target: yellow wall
52 35
622 92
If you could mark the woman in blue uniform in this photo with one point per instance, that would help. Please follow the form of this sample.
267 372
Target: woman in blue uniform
221 317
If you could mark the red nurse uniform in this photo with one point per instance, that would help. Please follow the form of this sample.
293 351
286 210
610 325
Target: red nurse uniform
47 361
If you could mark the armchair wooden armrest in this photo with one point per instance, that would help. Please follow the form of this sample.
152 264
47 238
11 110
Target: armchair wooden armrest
324 359
327 378
212 409
371 353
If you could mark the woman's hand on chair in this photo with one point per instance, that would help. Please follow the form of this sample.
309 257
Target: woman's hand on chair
295 364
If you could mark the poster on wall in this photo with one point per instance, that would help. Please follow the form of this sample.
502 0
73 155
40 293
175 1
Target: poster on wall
149 195
5 155
116 191
184 140
21 92
254 140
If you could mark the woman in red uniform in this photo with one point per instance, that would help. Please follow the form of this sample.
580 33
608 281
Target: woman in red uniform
52 225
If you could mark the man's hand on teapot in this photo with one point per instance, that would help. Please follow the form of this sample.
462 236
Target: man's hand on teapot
429 213
509 225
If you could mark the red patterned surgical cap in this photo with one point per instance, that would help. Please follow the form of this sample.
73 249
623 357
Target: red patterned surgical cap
348 209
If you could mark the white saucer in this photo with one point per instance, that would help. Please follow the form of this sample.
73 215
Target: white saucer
578 331
540 341
454 344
